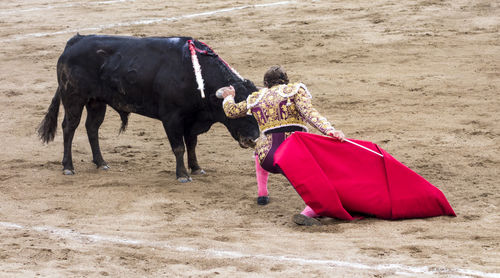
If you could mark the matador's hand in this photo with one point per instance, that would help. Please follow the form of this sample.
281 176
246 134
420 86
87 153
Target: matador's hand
337 134
225 92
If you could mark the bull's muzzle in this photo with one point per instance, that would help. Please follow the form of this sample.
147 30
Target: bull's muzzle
246 142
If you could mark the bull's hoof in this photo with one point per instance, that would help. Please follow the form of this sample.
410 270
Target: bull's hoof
104 167
303 220
198 172
184 179
263 200
68 172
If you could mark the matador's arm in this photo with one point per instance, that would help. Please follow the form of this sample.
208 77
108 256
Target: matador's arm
234 110
310 114
231 109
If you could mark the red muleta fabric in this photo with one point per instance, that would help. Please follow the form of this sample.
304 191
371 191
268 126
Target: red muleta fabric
338 179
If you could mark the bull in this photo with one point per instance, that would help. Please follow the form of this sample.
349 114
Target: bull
153 77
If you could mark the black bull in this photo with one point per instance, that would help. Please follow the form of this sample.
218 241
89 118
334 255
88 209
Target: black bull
153 77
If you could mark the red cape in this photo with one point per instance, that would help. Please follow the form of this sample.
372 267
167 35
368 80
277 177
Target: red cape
337 179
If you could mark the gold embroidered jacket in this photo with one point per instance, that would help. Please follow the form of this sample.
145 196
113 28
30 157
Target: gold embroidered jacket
279 106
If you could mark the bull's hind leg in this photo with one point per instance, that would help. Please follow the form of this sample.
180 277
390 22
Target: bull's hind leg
95 116
72 116
191 141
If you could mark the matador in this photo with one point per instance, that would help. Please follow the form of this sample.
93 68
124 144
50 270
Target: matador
280 109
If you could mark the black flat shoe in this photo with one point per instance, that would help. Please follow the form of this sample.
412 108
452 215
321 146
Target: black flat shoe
303 220
263 200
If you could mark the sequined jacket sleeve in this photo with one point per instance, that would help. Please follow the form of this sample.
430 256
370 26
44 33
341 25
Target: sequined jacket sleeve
310 114
234 110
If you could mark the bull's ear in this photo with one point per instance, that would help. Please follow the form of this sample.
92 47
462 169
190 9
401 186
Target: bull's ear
249 83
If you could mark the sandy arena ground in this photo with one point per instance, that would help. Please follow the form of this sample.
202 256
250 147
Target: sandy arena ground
419 78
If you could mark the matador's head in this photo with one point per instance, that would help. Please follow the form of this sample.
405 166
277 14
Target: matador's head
275 75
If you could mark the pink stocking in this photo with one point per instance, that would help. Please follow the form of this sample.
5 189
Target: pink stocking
262 176
309 212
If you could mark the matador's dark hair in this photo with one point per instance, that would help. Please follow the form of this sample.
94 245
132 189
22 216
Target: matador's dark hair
275 75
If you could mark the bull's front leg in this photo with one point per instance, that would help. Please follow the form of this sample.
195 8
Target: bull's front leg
175 136
191 141
180 169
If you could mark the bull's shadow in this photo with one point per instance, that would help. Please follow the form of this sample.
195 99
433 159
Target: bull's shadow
154 77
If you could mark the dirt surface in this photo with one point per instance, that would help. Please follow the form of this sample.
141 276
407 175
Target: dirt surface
419 78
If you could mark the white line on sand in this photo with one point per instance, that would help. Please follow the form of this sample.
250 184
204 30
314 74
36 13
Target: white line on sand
140 22
214 253
36 9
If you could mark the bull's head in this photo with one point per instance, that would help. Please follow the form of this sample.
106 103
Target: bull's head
242 130
245 129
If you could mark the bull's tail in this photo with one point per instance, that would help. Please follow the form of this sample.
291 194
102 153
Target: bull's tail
124 118
48 126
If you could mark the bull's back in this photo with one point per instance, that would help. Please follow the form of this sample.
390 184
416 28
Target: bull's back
93 49
124 71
